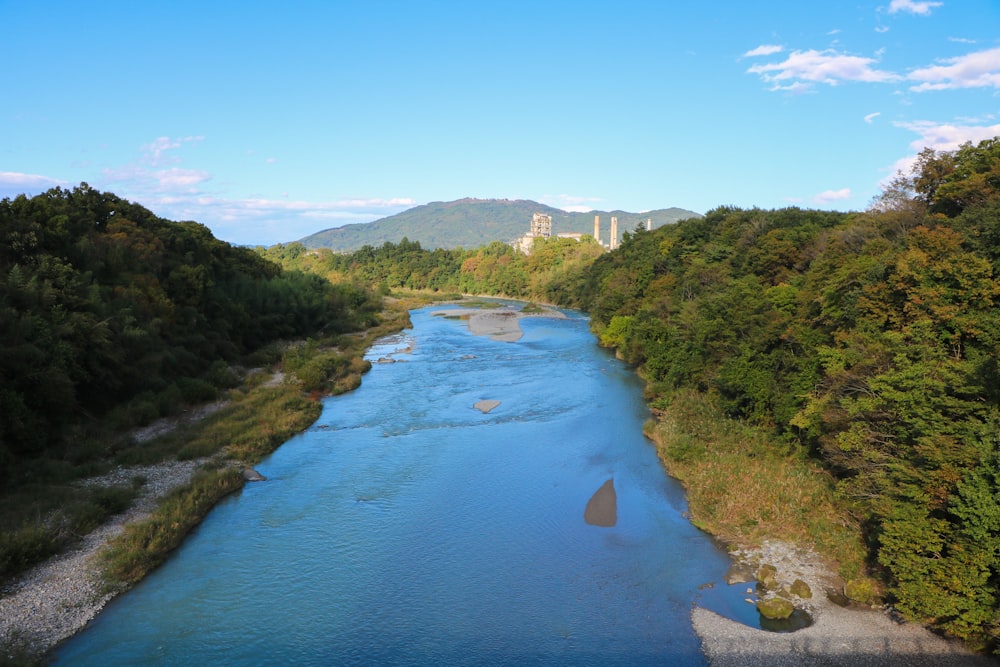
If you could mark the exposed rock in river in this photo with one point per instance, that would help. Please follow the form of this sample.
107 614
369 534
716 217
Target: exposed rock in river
251 475
602 508
485 406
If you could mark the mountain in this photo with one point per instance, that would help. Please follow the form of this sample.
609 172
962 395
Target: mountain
471 223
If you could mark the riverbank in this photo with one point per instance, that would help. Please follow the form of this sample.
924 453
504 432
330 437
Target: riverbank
55 602
55 599
772 506
838 635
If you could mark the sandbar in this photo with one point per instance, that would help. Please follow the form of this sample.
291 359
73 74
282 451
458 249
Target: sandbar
500 324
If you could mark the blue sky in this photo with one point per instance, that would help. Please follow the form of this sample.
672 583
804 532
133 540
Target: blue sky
269 121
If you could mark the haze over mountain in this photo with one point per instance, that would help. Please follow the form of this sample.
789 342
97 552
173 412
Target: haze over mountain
470 223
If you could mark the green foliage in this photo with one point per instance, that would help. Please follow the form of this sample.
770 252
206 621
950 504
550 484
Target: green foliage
70 511
102 302
869 340
550 274
145 545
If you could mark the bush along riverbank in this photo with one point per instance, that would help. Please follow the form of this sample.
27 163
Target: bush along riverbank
160 482
793 543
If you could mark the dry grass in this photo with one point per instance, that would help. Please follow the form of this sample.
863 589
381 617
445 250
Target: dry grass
743 486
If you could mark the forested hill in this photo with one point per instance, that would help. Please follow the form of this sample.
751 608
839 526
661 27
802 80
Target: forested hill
109 311
471 223
857 351
869 341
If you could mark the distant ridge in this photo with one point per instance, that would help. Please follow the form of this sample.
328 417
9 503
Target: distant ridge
470 223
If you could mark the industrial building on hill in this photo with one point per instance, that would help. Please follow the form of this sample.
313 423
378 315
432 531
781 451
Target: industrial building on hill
541 228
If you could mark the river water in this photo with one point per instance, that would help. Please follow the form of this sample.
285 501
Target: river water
406 527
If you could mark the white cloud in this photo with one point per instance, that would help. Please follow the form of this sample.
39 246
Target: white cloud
872 116
975 70
940 137
812 66
155 152
572 203
913 6
946 136
832 195
764 50
13 183
180 193
262 221
176 177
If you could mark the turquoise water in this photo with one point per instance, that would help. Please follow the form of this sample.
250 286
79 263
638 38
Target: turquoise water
406 527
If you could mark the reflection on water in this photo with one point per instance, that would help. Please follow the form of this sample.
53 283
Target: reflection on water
408 527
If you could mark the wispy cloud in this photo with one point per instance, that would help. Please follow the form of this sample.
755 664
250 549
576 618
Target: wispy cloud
832 195
872 116
263 221
156 153
923 8
947 136
763 50
828 67
571 203
157 180
13 183
980 69
939 137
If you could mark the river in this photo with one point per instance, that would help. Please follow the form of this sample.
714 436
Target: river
407 527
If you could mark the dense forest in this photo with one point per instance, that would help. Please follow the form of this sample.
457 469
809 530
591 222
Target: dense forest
550 273
868 342
108 312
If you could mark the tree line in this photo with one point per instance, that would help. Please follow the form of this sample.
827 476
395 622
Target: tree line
870 341
867 341
109 312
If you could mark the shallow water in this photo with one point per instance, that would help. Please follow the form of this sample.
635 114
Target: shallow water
406 527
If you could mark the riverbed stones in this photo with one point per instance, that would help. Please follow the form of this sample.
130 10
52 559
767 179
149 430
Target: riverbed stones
602 508
775 608
767 577
801 589
251 475
485 406
739 573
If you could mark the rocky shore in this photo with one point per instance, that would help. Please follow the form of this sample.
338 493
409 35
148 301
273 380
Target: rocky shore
838 635
56 599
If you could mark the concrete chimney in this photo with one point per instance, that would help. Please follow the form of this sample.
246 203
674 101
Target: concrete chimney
614 233
597 228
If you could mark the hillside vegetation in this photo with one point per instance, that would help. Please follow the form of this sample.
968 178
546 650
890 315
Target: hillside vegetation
831 378
471 223
816 374
867 341
111 317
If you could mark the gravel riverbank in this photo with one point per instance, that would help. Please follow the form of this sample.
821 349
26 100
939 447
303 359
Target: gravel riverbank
838 636
58 598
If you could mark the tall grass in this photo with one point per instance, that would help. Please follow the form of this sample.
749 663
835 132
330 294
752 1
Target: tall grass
146 544
744 485
257 420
